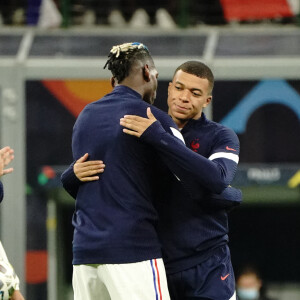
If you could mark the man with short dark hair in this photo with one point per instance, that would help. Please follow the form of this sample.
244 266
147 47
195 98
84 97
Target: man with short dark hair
192 228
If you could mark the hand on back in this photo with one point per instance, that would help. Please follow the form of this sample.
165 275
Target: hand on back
136 125
88 170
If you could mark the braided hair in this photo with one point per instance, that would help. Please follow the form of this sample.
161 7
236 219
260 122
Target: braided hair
122 57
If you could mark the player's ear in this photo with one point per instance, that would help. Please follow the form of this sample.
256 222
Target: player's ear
208 100
169 87
146 73
113 82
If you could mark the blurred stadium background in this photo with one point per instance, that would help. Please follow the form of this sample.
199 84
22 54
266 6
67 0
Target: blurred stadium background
51 59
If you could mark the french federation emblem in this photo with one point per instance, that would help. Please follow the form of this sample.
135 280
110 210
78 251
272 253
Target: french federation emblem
195 145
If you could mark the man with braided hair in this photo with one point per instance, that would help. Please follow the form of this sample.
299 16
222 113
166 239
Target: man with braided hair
116 251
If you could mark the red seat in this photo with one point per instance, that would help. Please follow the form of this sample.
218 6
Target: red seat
243 10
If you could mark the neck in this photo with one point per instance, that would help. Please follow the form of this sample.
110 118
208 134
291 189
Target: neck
182 122
132 86
135 81
179 122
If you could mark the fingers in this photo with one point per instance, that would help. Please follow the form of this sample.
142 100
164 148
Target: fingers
7 171
136 125
89 164
6 155
135 122
7 159
86 171
92 170
149 114
89 175
83 164
134 118
131 124
89 178
83 158
131 132
4 149
89 169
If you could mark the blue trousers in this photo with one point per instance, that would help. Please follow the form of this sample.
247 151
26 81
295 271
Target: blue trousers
212 279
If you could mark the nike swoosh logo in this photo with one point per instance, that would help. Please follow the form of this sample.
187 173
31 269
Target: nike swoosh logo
230 149
224 277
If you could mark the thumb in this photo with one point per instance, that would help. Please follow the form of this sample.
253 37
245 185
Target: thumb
150 114
83 158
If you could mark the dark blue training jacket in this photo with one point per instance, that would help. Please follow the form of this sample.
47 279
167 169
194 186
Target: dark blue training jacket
191 227
114 219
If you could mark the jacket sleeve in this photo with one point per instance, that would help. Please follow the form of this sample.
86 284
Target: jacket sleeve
70 182
3 256
214 173
229 198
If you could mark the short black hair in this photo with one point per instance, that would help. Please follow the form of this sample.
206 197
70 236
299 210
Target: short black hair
122 57
198 69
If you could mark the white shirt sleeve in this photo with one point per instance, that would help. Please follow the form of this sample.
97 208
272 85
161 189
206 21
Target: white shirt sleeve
3 256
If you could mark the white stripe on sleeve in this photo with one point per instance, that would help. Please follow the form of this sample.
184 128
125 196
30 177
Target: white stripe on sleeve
177 133
230 156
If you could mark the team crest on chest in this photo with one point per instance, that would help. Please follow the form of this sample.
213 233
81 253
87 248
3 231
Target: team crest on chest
195 145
